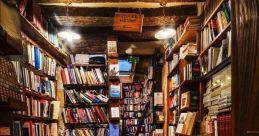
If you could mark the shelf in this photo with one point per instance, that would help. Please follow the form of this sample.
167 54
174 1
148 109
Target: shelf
14 105
217 40
31 118
9 45
41 41
89 65
172 72
172 108
38 72
217 68
86 104
189 82
131 118
85 124
191 57
213 13
84 86
188 35
114 78
38 95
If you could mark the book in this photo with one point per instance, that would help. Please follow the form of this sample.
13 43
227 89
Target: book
186 123
30 128
115 91
112 48
158 99
115 112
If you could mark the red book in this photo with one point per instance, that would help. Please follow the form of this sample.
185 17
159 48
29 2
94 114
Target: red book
99 113
92 115
63 75
31 130
70 75
69 116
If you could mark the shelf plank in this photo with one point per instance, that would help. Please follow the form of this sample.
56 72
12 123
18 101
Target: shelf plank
37 95
32 118
85 104
89 65
213 13
41 41
217 40
84 86
217 68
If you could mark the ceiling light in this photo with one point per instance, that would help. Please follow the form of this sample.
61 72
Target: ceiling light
69 35
165 33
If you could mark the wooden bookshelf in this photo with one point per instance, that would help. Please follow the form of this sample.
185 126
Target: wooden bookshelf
13 105
217 40
173 90
175 69
41 41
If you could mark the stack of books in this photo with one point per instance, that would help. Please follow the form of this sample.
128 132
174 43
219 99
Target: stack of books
76 75
86 131
85 97
93 114
80 59
192 23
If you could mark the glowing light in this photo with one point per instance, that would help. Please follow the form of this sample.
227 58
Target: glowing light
165 33
69 35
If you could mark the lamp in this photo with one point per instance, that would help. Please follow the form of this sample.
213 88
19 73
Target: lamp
165 33
68 34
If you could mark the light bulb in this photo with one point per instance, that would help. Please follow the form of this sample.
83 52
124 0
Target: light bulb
165 33
69 35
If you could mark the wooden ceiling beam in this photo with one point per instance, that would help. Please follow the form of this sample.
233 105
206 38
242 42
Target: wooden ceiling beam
105 1
184 10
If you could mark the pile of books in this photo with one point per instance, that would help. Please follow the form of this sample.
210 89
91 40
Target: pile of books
40 60
90 96
30 128
42 108
86 131
79 75
80 59
93 114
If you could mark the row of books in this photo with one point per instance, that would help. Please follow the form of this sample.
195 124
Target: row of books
173 117
38 59
30 128
191 71
131 114
32 12
172 64
90 96
93 114
175 81
210 7
131 122
8 82
133 107
171 130
86 132
42 108
132 94
34 82
217 55
190 100
132 101
76 75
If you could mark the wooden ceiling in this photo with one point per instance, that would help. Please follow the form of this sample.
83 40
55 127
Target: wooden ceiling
93 19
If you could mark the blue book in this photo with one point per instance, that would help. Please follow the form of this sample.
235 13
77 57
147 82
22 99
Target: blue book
37 57
115 91
114 129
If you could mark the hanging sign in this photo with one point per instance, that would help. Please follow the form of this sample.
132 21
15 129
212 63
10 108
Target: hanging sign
130 22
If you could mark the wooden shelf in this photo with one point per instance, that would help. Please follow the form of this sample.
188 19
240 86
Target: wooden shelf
37 95
83 125
191 57
217 68
173 90
114 78
38 72
41 41
84 86
31 118
217 40
172 72
213 13
85 104
188 35
13 105
9 45
89 65
189 83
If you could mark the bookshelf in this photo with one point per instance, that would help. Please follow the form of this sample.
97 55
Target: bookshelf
216 74
183 79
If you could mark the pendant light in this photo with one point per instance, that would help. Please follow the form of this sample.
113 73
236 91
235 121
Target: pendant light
68 34
165 33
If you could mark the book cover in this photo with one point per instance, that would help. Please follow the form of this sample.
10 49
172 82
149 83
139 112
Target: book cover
115 91
114 70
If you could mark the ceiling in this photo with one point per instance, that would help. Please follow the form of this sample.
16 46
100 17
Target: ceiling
93 19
